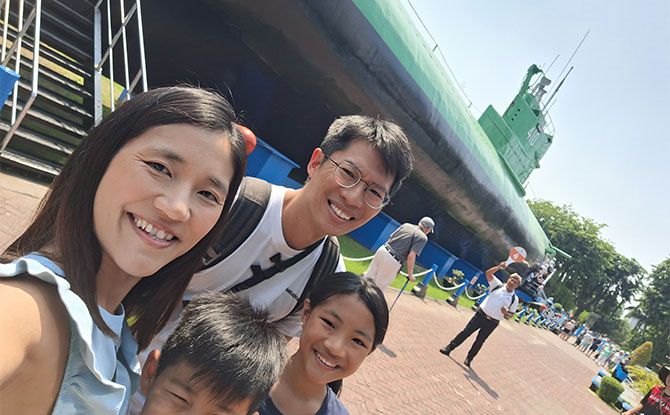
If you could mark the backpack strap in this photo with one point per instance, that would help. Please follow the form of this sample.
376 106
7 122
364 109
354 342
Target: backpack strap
513 295
245 215
278 265
325 265
511 303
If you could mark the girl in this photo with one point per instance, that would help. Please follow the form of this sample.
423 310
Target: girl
344 319
118 237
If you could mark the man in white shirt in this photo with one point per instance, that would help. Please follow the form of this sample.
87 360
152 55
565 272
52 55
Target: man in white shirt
500 303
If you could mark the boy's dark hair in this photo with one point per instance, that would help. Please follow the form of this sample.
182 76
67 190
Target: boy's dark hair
345 283
233 349
384 136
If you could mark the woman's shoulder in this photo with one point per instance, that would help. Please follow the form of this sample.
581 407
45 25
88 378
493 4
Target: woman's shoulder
32 306
32 312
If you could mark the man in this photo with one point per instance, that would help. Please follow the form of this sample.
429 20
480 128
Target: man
403 246
500 303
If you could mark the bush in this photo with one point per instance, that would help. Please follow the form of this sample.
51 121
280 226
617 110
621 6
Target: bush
642 354
610 389
643 379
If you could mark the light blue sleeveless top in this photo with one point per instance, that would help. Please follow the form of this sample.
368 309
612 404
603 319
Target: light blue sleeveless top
101 372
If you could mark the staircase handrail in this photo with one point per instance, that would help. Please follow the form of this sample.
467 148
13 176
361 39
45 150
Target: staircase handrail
108 56
35 15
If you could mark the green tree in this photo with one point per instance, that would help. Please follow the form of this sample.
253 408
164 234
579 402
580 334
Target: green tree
597 278
653 313
642 354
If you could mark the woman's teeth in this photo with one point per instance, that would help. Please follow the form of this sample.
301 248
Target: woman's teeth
151 230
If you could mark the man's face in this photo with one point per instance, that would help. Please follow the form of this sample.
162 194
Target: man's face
513 282
333 209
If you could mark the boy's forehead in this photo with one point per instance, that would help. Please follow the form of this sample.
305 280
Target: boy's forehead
203 391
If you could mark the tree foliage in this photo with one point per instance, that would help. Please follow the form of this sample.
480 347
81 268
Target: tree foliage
653 313
597 278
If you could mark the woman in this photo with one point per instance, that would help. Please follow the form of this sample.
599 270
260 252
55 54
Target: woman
344 319
117 238
657 400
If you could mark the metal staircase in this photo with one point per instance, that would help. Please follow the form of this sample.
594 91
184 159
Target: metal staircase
60 97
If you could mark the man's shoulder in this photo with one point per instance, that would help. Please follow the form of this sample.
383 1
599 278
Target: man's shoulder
495 283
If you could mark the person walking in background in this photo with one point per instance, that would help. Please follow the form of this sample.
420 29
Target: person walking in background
567 329
615 359
604 355
501 303
586 341
403 246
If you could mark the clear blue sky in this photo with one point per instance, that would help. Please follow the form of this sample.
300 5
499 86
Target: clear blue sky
610 156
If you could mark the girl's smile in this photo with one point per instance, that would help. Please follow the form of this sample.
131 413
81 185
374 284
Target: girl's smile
337 336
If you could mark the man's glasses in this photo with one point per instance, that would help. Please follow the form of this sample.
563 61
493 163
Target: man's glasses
347 175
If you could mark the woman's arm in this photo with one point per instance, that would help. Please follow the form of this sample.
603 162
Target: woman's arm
633 411
34 343
20 317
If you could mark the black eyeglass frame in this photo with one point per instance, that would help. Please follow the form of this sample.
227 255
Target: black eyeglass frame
387 198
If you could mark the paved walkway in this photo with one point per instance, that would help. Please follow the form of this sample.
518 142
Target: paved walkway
520 370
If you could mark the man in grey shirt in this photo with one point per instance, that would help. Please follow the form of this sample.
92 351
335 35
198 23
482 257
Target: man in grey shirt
403 246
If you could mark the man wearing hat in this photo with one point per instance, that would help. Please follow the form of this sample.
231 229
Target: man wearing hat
403 246
501 303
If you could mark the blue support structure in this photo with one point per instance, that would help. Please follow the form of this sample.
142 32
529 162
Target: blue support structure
421 288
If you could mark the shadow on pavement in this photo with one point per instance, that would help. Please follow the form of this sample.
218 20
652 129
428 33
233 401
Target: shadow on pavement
471 376
387 351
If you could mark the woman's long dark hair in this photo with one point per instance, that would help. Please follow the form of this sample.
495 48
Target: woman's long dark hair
63 227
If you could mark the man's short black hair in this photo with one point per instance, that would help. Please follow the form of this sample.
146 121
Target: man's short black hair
233 349
384 136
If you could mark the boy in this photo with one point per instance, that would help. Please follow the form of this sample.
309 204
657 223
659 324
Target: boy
223 357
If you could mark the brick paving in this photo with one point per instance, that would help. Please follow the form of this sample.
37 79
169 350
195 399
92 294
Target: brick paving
19 199
520 369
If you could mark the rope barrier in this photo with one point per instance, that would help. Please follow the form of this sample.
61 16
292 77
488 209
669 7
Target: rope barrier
417 275
367 258
443 288
467 294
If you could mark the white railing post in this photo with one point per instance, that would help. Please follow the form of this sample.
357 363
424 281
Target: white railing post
97 76
17 63
112 92
5 23
143 61
125 49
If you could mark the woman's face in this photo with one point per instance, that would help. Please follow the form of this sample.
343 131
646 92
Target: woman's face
337 336
162 193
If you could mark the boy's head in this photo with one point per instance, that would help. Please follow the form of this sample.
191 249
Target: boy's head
223 358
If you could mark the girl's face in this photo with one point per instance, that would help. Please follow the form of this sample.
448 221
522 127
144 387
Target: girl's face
337 336
162 193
